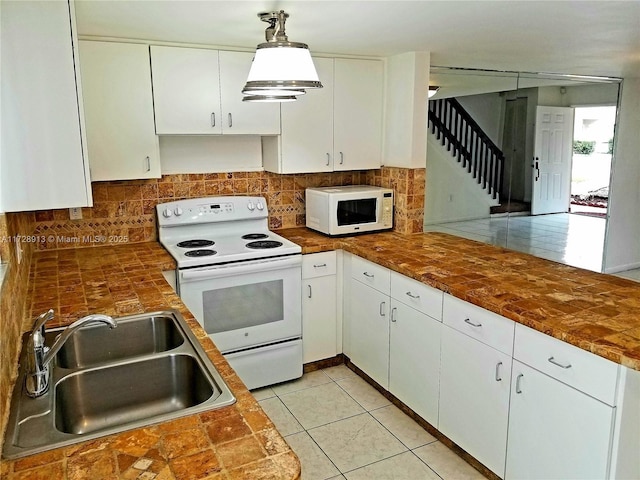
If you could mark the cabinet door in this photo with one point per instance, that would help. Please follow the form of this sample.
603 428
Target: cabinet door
319 317
474 397
357 119
369 334
307 127
43 163
240 117
186 91
414 360
555 431
116 84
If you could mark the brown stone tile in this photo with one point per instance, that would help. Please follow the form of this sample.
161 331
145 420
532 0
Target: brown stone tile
184 442
195 467
96 464
240 452
224 429
52 471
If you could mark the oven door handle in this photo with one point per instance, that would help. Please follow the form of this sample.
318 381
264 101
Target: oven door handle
219 271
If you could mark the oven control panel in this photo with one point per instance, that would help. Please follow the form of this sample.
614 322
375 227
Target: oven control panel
216 208
211 209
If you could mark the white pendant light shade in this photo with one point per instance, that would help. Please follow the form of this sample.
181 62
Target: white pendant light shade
281 70
288 66
269 98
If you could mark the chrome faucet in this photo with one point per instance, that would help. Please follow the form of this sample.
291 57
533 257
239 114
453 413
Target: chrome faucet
39 356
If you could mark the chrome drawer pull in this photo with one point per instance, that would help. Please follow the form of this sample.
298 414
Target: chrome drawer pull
320 265
328 159
518 379
382 304
309 290
498 376
367 274
148 164
469 322
551 360
213 119
415 297
341 158
230 120
393 314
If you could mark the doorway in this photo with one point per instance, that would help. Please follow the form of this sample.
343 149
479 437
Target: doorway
591 161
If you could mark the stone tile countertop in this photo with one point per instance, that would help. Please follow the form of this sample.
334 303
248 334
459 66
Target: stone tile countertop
235 442
596 312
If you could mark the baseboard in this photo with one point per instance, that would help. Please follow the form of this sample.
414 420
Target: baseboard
622 268
325 363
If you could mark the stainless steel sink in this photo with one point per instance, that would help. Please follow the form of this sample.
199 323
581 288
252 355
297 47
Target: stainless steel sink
134 336
153 369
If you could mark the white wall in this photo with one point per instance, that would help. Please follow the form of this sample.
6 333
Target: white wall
488 112
622 243
451 194
405 128
210 154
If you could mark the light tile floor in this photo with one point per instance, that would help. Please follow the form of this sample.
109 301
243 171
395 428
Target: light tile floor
576 240
341 427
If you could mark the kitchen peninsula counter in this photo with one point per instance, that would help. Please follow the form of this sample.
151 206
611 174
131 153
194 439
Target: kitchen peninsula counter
593 311
234 442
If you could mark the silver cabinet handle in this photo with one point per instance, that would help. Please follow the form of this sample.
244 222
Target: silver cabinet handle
213 119
328 159
230 120
415 297
367 274
518 380
319 265
309 286
498 376
394 310
341 158
382 304
558 364
148 164
469 322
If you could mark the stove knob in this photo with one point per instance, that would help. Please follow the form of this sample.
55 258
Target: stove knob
251 206
260 206
178 211
167 212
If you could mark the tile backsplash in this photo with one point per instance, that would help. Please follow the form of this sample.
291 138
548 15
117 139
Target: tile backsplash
124 211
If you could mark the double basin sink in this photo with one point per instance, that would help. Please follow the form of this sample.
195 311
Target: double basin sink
151 368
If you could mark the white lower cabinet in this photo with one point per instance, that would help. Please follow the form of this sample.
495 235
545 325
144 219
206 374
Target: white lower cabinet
474 397
414 360
369 321
555 431
563 406
319 306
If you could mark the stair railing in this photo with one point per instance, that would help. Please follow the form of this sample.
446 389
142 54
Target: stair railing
467 142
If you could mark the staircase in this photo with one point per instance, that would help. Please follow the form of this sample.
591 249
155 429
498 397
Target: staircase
472 148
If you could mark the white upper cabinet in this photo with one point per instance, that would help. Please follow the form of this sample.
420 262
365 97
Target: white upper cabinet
122 142
186 91
198 92
43 163
238 117
306 143
357 114
337 127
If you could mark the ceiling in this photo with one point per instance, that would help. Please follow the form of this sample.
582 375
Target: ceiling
577 37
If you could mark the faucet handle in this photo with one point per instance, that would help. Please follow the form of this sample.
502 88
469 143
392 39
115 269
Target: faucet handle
38 324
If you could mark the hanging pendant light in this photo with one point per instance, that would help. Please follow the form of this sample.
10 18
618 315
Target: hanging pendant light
280 68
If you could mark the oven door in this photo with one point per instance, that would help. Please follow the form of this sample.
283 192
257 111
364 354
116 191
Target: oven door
246 304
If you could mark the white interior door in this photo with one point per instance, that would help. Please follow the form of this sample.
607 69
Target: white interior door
552 160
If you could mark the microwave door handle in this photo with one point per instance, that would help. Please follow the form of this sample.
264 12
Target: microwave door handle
240 268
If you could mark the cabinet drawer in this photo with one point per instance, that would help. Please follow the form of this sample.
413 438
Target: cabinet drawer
483 325
371 274
319 264
422 297
589 373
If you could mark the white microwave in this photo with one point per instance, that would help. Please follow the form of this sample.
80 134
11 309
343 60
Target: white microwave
350 209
